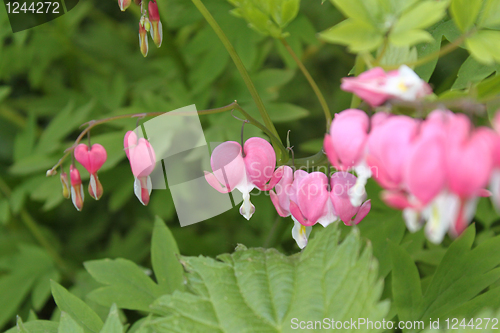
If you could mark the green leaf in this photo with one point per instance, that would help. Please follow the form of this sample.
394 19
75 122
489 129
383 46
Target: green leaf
164 251
490 15
68 325
37 326
25 141
359 36
4 92
261 290
283 112
421 16
410 37
488 88
406 287
4 211
112 324
484 45
127 285
471 71
65 122
464 12
355 9
76 308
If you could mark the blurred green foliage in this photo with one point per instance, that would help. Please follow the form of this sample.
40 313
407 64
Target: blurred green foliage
87 65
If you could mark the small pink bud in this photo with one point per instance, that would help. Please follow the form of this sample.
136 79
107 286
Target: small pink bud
124 4
77 195
65 185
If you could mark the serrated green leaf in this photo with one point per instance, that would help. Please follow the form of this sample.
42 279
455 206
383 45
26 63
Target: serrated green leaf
358 35
164 258
76 308
406 287
112 323
262 290
128 286
464 12
68 325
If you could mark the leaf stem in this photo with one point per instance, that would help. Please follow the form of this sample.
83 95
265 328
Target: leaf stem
233 106
243 72
312 83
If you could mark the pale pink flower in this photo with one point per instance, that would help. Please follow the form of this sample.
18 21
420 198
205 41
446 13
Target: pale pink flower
375 86
341 183
77 195
142 160
244 169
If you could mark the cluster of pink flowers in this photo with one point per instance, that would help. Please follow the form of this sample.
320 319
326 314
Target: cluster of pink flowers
434 169
309 198
149 21
142 160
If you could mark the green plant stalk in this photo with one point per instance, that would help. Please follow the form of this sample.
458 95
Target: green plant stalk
312 83
233 106
32 226
244 74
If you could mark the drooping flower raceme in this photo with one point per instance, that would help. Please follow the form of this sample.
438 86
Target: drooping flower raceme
92 160
375 86
142 160
244 169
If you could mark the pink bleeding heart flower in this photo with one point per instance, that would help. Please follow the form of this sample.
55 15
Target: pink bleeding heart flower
341 183
244 169
280 198
388 149
77 195
345 144
65 185
124 4
345 147
310 203
142 160
375 86
156 26
92 160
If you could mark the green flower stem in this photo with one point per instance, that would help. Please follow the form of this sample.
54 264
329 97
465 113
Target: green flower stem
35 230
233 106
244 74
312 83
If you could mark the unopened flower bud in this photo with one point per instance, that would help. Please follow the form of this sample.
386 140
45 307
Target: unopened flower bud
156 26
65 185
124 4
51 172
143 35
77 195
